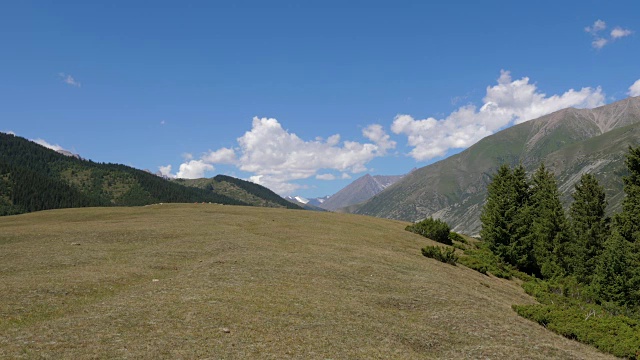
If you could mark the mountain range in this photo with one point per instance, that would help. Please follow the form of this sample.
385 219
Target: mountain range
362 189
569 142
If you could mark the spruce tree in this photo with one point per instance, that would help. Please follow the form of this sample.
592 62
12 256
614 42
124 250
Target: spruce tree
521 250
589 224
498 212
614 279
628 222
549 235
506 218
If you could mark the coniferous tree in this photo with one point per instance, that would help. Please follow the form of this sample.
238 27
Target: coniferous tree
549 233
506 218
498 212
614 278
628 222
521 251
589 224
617 277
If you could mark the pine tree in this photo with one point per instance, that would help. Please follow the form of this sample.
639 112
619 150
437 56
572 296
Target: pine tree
589 224
549 235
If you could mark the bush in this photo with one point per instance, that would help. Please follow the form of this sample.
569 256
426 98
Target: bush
447 255
436 230
459 246
618 335
484 261
454 236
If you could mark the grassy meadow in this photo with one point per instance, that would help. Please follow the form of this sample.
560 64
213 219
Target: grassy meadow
226 282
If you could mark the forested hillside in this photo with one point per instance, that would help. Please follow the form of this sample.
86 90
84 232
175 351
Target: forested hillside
245 191
34 178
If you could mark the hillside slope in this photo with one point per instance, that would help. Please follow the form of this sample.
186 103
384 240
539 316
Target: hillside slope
245 191
229 282
362 189
570 142
34 178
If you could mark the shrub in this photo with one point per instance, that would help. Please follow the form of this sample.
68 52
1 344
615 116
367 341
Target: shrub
454 236
484 261
447 255
589 324
436 230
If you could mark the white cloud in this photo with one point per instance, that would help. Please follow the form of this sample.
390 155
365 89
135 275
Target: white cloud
166 171
508 102
10 132
377 134
600 41
345 176
187 156
68 79
597 26
162 122
279 156
44 143
276 157
220 156
634 90
325 177
194 169
619 32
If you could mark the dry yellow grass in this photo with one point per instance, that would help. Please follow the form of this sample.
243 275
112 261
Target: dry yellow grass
224 282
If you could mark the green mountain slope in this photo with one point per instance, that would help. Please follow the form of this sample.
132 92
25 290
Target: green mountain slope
35 178
245 191
570 142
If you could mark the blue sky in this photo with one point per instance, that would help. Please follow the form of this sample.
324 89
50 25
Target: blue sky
259 90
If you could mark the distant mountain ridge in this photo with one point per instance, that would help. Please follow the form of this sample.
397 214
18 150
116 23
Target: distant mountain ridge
245 191
570 142
359 190
34 178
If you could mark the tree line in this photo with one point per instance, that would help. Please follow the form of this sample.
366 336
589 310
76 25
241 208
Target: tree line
524 223
34 178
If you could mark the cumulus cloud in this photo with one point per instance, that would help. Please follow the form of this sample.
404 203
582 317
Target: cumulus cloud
599 40
509 102
69 80
194 169
220 156
10 132
634 90
277 157
377 134
166 171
